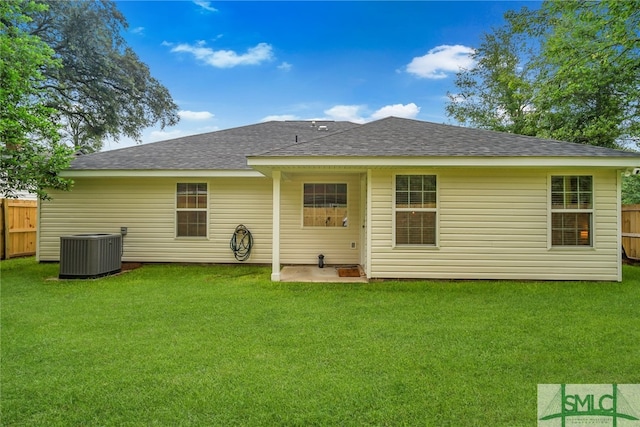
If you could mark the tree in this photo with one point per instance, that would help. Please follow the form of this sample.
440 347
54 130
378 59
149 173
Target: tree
576 77
631 190
496 94
31 154
102 90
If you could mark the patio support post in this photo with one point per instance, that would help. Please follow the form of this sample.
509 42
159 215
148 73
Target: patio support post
275 250
369 222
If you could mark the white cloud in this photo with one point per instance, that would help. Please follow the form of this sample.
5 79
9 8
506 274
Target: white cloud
138 30
354 113
350 113
285 66
440 61
279 117
226 58
206 5
408 111
195 115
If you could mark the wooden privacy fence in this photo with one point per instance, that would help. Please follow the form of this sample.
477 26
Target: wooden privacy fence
18 227
631 231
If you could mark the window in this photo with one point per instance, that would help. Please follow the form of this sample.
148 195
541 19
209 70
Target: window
325 205
416 209
571 210
191 207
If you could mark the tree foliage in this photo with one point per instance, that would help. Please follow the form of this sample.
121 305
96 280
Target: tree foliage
102 90
569 70
631 190
31 154
497 93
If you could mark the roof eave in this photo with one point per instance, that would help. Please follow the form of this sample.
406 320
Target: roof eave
262 165
269 162
182 173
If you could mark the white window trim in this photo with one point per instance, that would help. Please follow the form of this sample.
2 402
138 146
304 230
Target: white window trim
176 210
551 211
317 227
436 245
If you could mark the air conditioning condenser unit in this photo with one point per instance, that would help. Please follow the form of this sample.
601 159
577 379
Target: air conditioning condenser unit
85 256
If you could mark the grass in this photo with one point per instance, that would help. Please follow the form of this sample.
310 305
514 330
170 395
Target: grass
222 345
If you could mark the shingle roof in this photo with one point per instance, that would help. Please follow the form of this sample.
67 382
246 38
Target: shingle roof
222 150
390 137
396 137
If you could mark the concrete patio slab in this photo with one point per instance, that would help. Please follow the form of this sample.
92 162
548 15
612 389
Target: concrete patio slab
311 273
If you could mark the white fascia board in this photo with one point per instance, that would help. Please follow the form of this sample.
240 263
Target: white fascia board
607 162
248 173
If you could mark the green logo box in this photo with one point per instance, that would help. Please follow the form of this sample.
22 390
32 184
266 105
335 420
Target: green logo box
578 405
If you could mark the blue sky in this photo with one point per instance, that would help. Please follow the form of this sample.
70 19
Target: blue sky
233 63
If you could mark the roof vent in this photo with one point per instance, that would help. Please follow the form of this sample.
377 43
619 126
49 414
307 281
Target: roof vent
323 127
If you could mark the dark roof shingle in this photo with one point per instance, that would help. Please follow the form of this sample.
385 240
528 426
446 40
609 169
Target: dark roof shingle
393 137
390 137
221 150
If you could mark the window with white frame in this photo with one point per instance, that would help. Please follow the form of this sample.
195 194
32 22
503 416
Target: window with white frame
325 205
191 210
415 209
572 210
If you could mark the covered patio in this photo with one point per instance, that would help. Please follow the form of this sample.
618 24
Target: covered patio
327 274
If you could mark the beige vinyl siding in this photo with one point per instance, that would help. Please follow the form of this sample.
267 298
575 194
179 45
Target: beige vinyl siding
493 224
302 245
147 207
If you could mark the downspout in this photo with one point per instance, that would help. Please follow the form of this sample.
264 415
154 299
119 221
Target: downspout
275 246
619 222
38 228
369 224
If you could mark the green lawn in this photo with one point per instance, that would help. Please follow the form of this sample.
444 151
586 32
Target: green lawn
220 345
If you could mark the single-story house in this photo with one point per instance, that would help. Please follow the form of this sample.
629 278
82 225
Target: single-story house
402 198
